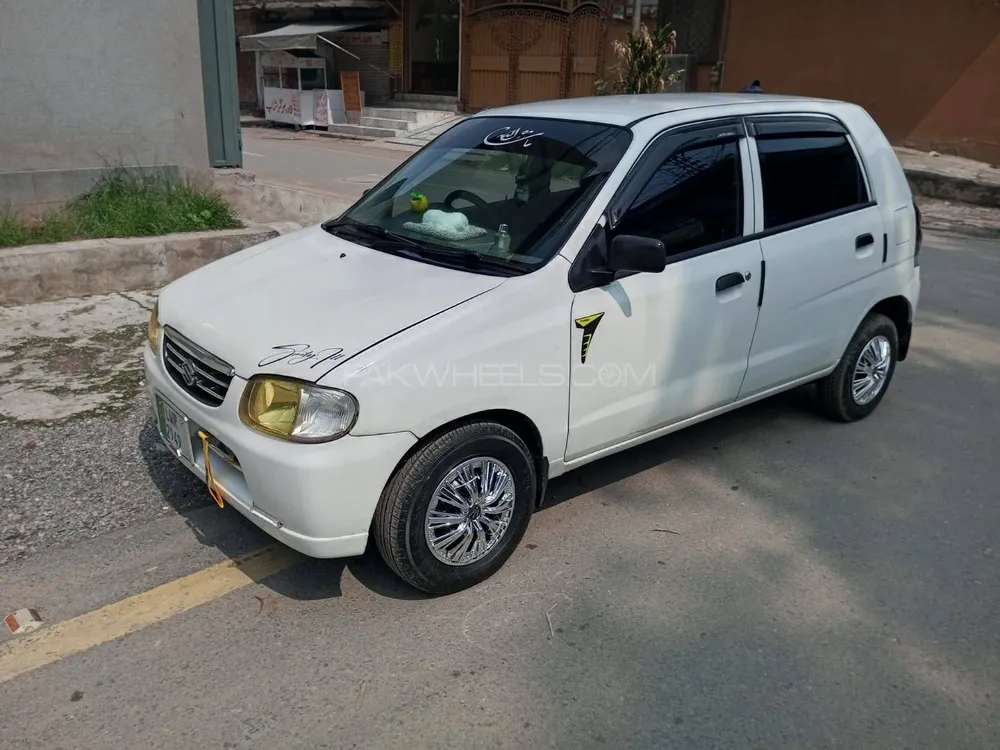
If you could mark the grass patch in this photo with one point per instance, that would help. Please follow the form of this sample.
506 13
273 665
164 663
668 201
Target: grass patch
125 204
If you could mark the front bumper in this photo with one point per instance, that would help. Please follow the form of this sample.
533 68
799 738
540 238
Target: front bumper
317 499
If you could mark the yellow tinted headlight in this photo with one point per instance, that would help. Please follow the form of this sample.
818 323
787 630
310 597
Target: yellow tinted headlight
272 405
297 411
153 329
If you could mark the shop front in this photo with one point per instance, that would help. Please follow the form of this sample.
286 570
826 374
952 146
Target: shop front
297 85
433 32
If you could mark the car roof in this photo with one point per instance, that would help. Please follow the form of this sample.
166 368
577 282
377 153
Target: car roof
624 110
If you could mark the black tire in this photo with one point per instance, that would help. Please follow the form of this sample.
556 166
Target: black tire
836 389
399 523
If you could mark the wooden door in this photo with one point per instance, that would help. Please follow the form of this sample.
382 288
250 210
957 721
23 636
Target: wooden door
489 61
541 64
586 53
513 53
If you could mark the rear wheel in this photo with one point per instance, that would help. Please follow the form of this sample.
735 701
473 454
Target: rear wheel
457 508
859 383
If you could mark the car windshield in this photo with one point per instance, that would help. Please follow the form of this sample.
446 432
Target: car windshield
495 194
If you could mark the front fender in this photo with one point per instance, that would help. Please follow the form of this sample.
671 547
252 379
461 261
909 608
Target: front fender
508 350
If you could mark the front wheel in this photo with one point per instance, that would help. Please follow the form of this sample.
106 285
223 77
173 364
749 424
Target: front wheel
457 508
858 384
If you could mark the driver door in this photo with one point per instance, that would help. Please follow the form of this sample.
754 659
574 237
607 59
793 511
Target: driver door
651 350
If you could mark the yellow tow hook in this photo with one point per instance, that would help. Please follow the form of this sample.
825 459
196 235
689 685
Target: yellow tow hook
213 488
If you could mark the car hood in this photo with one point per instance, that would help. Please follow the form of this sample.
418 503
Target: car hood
301 304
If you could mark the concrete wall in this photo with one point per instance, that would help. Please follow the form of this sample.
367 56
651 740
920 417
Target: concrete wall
86 82
266 203
927 70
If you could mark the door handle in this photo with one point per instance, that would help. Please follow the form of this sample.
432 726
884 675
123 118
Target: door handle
863 241
728 282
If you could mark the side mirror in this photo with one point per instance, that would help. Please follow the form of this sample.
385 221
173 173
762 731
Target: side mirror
365 192
635 254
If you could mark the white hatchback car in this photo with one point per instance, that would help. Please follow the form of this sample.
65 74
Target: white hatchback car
541 286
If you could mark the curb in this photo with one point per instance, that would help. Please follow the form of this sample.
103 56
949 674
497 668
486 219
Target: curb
973 231
270 203
927 184
963 230
960 218
390 144
411 139
36 273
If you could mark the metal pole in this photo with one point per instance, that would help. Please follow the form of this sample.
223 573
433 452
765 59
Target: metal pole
259 72
636 15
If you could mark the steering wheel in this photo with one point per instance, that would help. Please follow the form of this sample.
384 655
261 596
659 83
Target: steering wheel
474 199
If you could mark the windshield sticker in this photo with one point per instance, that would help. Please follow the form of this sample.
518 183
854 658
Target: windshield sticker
589 325
509 136
297 354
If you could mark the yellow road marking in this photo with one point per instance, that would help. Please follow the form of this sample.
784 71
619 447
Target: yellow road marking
136 612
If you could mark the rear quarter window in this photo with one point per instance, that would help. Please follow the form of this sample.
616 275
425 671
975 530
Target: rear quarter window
808 176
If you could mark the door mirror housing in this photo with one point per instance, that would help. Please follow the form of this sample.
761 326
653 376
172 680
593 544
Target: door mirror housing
633 254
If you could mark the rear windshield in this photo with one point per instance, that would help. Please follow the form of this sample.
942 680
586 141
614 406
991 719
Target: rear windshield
529 179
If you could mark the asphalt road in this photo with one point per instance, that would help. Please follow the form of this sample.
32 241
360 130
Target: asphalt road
765 580
319 162
346 168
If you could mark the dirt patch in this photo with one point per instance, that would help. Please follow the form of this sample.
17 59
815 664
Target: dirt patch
77 361
116 338
71 358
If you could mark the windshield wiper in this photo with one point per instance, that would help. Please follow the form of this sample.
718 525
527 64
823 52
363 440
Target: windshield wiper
428 251
370 229
472 260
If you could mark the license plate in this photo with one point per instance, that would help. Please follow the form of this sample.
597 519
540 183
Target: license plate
174 429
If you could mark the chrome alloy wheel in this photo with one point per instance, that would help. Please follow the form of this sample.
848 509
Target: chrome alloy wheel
871 370
470 511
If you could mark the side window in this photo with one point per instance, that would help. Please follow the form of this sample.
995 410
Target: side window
808 176
693 200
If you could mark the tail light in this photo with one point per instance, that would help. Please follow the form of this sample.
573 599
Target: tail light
920 235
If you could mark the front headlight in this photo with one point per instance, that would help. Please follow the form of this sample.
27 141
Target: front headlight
153 329
296 411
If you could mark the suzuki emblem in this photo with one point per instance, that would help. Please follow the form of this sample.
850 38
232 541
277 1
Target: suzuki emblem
188 372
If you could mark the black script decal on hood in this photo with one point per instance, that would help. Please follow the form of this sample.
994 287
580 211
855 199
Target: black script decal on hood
297 354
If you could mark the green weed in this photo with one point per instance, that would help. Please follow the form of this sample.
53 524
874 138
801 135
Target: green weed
125 204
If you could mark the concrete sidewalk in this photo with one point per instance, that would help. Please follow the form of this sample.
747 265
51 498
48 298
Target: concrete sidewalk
951 178
954 194
423 136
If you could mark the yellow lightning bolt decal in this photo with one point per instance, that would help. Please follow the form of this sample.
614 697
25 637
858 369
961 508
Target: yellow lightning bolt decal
589 325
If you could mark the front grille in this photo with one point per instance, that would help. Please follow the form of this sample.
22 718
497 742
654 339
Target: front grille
204 377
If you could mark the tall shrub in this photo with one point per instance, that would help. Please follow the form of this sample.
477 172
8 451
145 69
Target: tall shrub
641 66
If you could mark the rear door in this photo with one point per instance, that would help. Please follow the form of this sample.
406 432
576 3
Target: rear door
822 238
